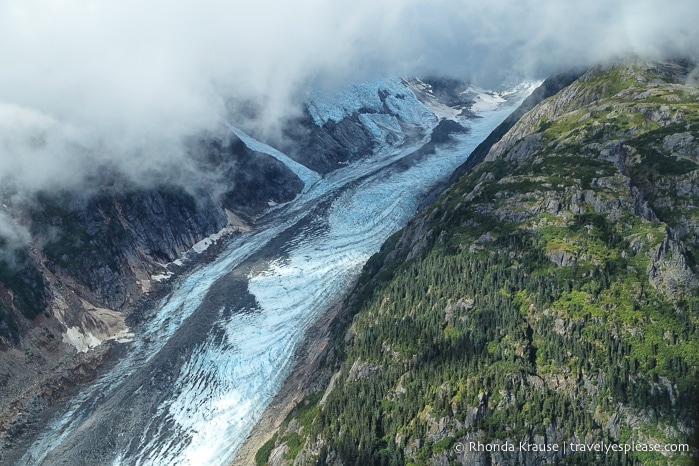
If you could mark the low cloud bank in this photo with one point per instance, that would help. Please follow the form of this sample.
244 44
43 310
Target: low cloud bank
126 83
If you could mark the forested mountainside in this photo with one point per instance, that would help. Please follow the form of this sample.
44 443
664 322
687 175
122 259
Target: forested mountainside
549 296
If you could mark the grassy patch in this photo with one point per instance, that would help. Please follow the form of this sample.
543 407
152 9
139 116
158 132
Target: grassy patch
262 455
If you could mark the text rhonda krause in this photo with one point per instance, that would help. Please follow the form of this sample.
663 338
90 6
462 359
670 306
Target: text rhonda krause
509 446
601 447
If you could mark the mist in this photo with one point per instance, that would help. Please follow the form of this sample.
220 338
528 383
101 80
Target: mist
123 83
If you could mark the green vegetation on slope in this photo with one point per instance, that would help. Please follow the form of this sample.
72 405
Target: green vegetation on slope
551 297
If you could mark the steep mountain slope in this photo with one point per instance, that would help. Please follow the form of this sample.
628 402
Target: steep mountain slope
548 297
81 268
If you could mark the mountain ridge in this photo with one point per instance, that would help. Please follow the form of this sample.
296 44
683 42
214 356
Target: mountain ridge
548 296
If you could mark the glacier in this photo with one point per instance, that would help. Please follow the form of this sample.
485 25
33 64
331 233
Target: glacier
203 366
305 174
370 97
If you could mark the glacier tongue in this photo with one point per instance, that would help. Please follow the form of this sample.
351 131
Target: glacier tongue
305 174
223 353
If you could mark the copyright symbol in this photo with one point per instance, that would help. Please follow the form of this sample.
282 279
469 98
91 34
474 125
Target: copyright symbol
459 447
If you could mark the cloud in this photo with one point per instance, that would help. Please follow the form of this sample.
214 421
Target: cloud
85 82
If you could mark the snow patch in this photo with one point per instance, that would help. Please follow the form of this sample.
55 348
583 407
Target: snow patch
161 276
81 341
97 325
488 101
485 101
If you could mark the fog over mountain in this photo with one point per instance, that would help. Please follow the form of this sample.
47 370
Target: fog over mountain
85 82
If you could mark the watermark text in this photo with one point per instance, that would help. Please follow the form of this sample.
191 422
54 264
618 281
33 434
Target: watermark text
570 447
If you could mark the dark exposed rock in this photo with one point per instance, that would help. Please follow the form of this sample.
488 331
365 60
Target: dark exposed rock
108 242
668 270
362 370
520 151
562 258
326 148
449 91
253 180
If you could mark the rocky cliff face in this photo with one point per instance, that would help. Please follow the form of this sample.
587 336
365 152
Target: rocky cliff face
112 243
548 297
325 148
86 258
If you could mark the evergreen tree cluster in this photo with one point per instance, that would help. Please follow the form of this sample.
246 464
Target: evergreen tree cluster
520 306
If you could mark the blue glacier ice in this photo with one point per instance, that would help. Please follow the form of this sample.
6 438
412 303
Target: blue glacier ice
342 103
225 383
